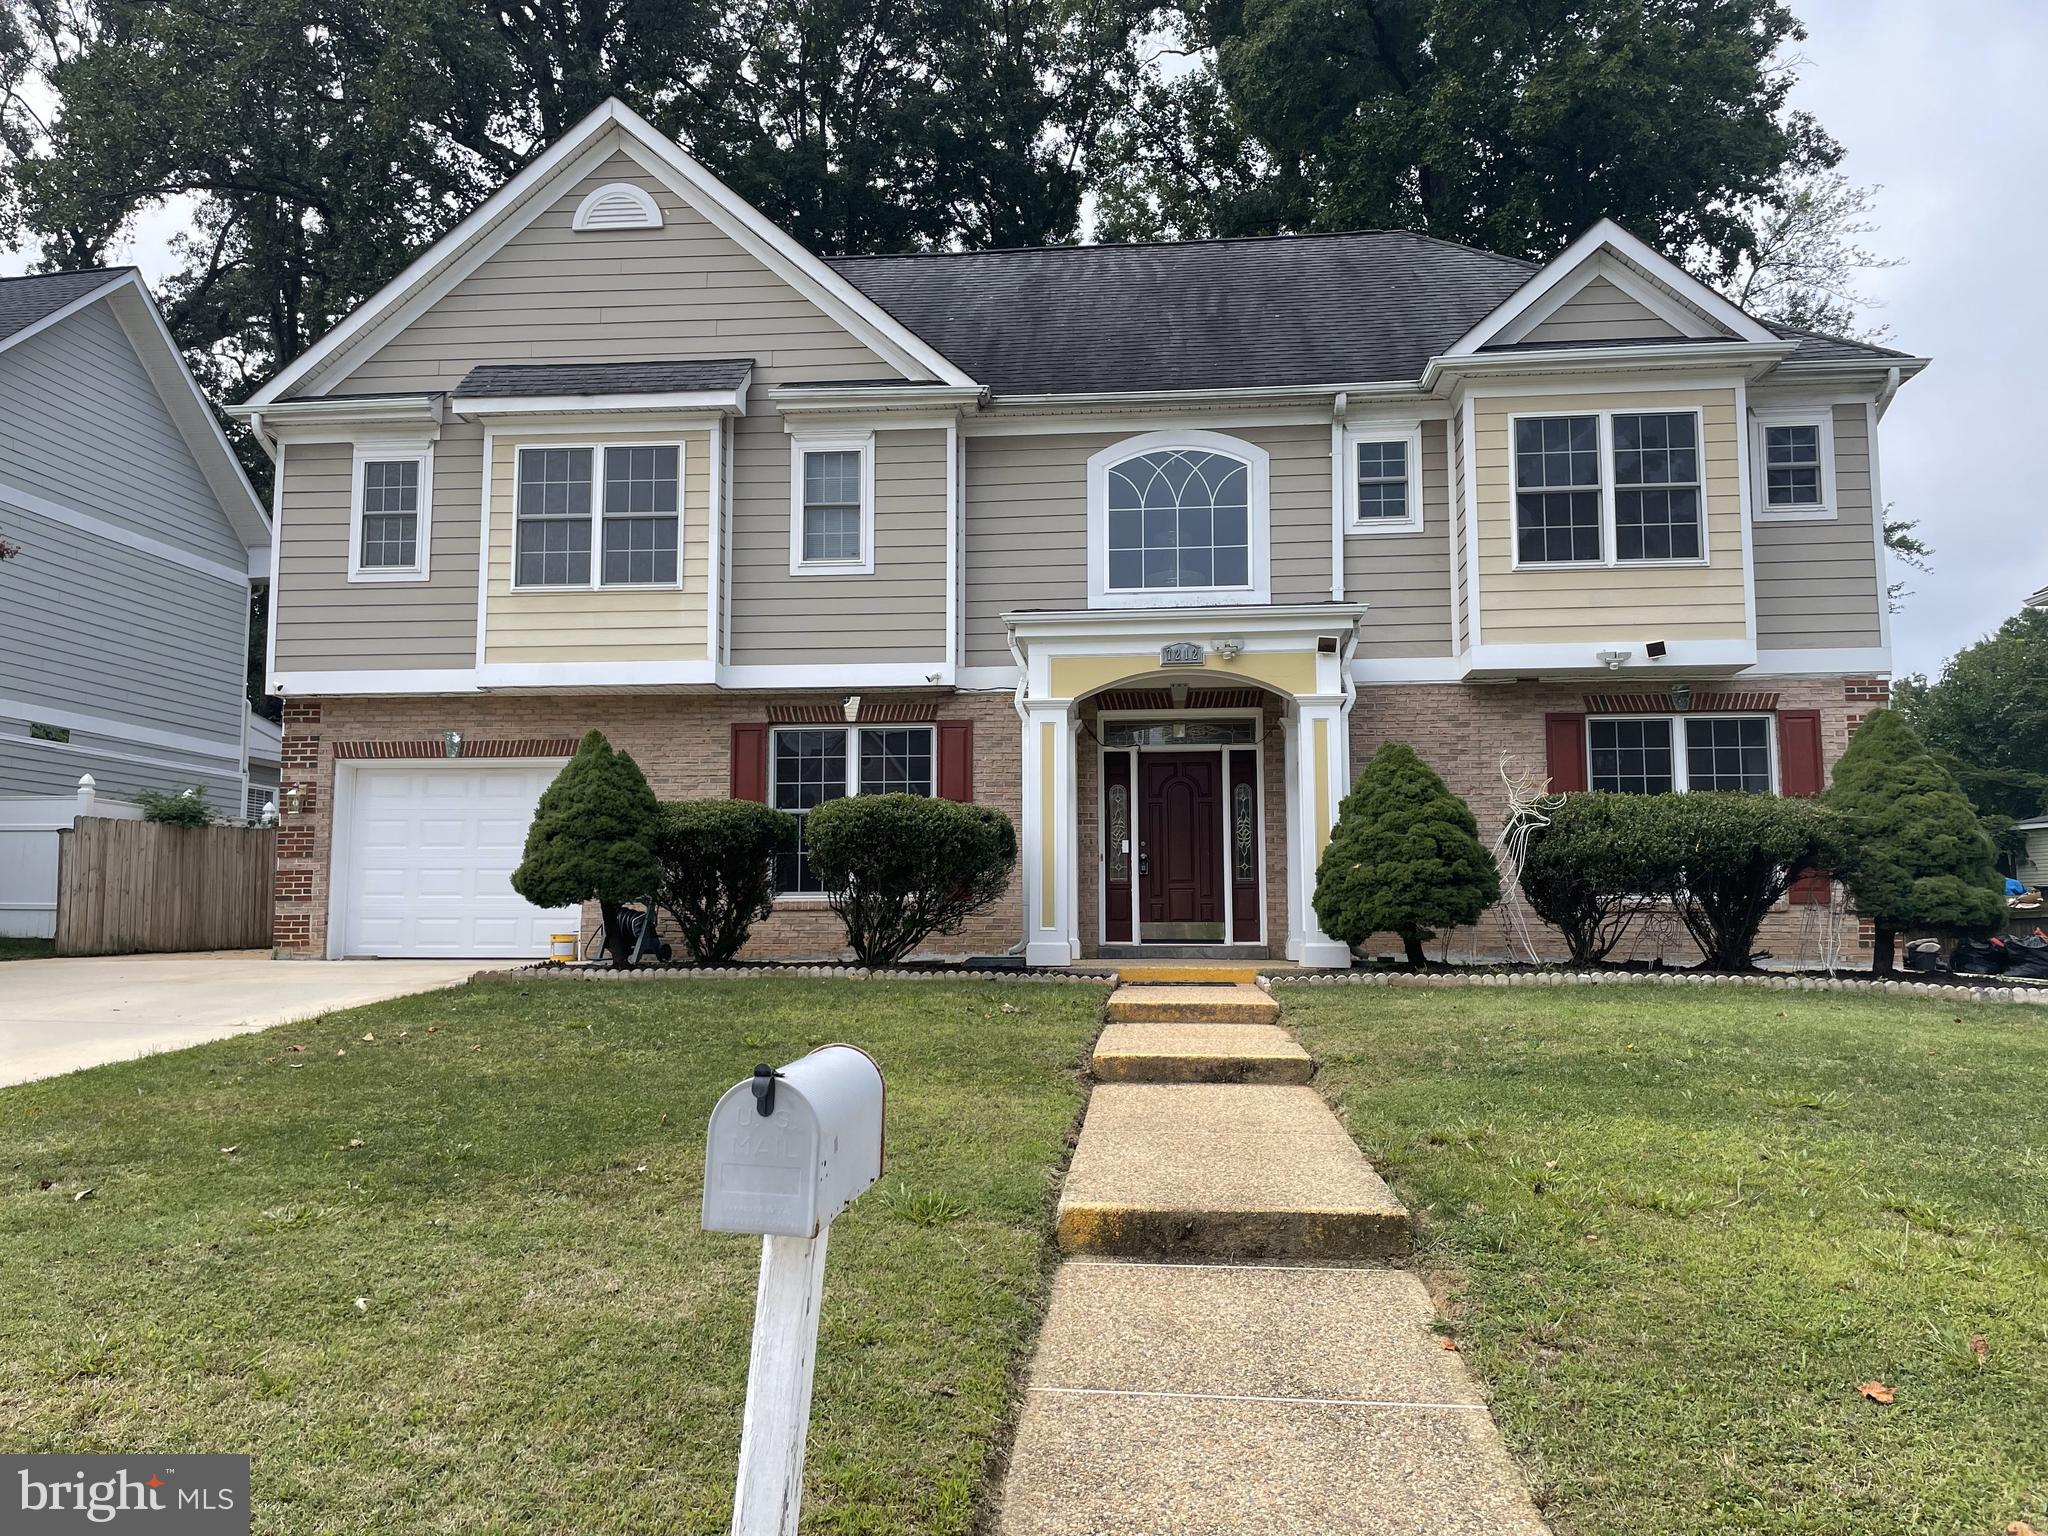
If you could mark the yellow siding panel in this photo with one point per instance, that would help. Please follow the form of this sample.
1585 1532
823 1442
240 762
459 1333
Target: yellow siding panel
623 624
1552 605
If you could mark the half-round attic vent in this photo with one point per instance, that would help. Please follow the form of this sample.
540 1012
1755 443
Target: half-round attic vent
619 205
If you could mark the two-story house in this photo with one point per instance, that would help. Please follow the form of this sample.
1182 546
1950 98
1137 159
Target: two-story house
1148 546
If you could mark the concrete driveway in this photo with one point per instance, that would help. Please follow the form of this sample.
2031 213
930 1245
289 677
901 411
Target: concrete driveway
60 1015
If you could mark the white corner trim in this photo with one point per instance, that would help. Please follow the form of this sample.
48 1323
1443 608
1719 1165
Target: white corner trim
1258 529
400 451
1822 419
115 533
1871 416
802 442
1409 434
616 205
270 600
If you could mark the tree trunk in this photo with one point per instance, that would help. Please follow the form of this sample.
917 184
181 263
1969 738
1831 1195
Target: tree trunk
1883 943
1415 955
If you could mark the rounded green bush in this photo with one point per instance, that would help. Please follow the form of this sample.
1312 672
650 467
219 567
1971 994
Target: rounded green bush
717 861
899 868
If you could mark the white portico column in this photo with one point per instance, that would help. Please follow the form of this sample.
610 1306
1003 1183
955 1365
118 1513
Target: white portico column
1051 924
1319 765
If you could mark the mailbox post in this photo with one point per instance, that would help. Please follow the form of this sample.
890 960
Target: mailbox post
788 1151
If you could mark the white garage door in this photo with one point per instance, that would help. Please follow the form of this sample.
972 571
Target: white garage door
430 855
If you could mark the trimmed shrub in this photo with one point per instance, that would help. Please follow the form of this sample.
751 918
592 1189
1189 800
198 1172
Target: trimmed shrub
1403 858
1916 854
899 868
188 808
592 839
1587 874
1724 858
717 861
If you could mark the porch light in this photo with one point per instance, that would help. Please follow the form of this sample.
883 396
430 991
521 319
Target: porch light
1612 660
1229 650
294 800
1681 698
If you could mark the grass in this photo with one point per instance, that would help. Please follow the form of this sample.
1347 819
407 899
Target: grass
1680 1229
451 1279
27 949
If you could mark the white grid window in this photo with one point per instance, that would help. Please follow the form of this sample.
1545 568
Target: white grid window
810 765
631 521
554 517
1382 481
1656 754
1792 465
1179 517
1557 489
832 504
391 515
1657 487
641 515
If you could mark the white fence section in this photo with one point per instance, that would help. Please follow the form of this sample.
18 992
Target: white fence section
28 854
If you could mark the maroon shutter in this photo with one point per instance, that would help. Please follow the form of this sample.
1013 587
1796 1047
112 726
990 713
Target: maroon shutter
956 760
1799 773
1564 751
750 762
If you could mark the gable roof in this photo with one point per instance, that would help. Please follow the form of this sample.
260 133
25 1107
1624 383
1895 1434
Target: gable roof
1372 306
613 125
30 305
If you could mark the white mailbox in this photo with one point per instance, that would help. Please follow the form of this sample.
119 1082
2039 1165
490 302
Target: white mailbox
788 1151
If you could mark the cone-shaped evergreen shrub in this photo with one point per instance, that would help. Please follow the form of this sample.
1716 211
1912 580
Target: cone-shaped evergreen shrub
592 839
1918 858
1403 858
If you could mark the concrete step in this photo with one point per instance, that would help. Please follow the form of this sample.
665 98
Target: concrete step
1200 1053
1205 1399
1236 1003
1245 1171
1167 972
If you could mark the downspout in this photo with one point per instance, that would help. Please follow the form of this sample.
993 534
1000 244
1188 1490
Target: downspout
1024 733
1884 396
1339 409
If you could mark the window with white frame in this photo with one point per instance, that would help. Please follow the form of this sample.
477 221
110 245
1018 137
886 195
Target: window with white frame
832 513
1178 518
1608 488
633 522
809 765
388 533
1657 754
1385 489
1794 454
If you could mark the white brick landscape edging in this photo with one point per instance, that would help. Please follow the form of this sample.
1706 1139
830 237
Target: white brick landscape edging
766 972
1987 994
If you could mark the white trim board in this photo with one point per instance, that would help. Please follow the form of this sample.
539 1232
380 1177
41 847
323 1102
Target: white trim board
123 730
115 533
611 126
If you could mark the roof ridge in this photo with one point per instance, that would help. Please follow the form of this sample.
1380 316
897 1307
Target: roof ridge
1161 245
36 277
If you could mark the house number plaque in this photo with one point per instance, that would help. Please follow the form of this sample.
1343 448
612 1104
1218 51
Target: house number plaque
1182 653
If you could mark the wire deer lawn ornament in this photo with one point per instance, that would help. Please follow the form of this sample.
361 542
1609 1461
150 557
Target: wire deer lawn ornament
1530 804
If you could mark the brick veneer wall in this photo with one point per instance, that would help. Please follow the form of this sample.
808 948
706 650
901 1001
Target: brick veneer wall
681 742
1462 731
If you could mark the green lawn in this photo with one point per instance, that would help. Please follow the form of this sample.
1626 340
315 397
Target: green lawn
27 949
1679 1230
497 1313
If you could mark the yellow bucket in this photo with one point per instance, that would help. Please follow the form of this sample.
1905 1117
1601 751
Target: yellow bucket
561 948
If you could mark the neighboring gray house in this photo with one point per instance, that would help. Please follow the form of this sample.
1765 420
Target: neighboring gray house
124 618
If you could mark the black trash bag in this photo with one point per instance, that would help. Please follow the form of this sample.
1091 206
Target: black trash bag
1924 955
1978 957
2027 957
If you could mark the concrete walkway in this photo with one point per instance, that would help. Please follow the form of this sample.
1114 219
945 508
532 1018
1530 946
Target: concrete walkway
1220 1354
60 1015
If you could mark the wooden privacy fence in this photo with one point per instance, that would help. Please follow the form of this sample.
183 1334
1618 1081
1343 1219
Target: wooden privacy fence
139 887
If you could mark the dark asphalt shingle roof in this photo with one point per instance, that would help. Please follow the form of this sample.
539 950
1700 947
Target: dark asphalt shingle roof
25 300
1364 307
506 379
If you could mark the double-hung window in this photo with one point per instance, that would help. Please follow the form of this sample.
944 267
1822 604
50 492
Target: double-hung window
1608 488
1656 754
1794 453
832 506
388 533
1386 480
609 512
809 765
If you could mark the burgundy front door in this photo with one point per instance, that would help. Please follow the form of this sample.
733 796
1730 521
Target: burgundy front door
1180 850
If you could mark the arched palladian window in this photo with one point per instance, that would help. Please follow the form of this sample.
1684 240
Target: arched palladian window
1177 518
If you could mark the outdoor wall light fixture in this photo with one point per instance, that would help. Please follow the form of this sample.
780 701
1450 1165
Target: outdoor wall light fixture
294 800
1612 660
1681 698
451 743
1229 650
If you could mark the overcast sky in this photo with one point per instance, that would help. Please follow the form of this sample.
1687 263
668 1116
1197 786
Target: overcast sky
1946 107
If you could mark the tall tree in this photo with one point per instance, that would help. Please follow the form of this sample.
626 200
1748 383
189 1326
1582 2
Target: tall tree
319 143
1510 124
1986 717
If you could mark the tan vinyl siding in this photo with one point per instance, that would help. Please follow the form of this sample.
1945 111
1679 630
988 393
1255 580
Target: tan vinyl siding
579 624
1404 579
1601 312
1560 604
552 294
1027 522
897 613
326 623
1818 583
